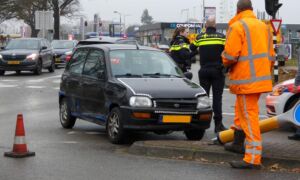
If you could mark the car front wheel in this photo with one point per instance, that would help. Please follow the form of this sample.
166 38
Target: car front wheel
39 67
194 134
52 66
66 119
114 127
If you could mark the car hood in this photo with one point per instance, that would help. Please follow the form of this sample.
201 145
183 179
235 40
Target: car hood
61 51
163 87
18 52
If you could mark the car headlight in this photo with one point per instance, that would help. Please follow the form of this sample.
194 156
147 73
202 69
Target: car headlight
140 101
32 56
278 90
203 102
1 56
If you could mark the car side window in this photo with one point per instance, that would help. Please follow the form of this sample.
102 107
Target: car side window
76 63
95 64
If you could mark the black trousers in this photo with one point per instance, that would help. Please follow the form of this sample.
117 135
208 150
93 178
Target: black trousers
212 77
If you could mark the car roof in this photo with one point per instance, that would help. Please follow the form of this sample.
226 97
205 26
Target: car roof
109 47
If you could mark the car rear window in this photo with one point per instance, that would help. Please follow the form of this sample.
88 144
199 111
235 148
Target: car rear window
141 62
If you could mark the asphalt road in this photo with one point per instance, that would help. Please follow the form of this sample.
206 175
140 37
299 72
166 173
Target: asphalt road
84 152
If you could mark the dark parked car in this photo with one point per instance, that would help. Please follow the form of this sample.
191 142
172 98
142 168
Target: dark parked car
130 88
61 50
27 54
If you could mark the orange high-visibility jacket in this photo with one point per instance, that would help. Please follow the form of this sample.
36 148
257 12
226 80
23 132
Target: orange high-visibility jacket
249 54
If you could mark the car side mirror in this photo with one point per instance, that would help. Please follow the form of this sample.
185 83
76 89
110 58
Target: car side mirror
101 74
44 47
2 47
188 75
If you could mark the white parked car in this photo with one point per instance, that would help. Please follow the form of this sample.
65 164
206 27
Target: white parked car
282 98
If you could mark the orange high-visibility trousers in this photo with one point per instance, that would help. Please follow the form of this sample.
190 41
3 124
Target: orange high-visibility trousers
247 119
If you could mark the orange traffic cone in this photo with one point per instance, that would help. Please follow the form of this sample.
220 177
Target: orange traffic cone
20 147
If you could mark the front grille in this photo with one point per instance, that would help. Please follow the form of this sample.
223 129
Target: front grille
185 104
13 58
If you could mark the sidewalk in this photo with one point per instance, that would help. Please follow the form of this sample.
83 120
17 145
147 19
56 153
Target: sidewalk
285 154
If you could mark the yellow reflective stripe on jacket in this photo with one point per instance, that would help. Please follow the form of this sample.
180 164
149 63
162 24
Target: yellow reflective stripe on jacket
179 47
251 59
209 41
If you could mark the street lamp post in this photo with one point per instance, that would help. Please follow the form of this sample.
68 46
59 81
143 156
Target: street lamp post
120 21
125 15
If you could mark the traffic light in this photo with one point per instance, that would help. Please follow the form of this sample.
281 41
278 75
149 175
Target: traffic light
272 7
85 23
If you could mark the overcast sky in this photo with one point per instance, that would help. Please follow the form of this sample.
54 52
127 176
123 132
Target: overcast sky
170 10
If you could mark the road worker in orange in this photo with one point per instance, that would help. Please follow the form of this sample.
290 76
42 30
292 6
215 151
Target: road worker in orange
249 56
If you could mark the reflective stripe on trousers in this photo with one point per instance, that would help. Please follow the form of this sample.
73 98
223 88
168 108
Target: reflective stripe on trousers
247 118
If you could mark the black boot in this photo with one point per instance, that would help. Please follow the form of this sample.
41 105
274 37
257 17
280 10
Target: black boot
237 146
244 165
219 127
294 137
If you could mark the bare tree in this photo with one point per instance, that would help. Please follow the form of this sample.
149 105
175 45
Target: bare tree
62 8
7 10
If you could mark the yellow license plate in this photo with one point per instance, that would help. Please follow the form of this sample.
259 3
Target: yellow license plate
57 59
13 62
176 119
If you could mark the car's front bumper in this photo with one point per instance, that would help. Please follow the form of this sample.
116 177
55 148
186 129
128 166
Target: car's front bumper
200 119
23 66
275 104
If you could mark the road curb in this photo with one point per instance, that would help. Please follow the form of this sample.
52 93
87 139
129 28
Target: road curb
205 153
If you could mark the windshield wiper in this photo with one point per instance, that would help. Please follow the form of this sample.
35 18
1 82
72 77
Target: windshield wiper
162 75
128 75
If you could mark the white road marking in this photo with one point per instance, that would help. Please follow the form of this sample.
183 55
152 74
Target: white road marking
56 81
35 87
7 86
93 133
56 88
71 132
70 142
43 79
8 80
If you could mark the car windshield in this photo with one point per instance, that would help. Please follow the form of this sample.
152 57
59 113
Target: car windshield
23 44
62 44
143 63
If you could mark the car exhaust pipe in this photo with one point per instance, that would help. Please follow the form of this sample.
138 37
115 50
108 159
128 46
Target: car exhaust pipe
266 125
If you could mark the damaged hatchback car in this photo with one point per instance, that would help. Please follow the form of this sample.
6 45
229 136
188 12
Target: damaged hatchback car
131 88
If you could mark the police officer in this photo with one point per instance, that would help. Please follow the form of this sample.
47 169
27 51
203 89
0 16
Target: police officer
179 50
211 46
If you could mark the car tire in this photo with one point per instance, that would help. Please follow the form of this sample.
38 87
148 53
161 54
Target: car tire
194 134
18 72
39 67
291 103
66 119
2 72
114 127
51 69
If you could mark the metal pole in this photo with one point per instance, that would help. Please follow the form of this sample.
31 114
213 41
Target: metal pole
120 24
203 13
276 71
